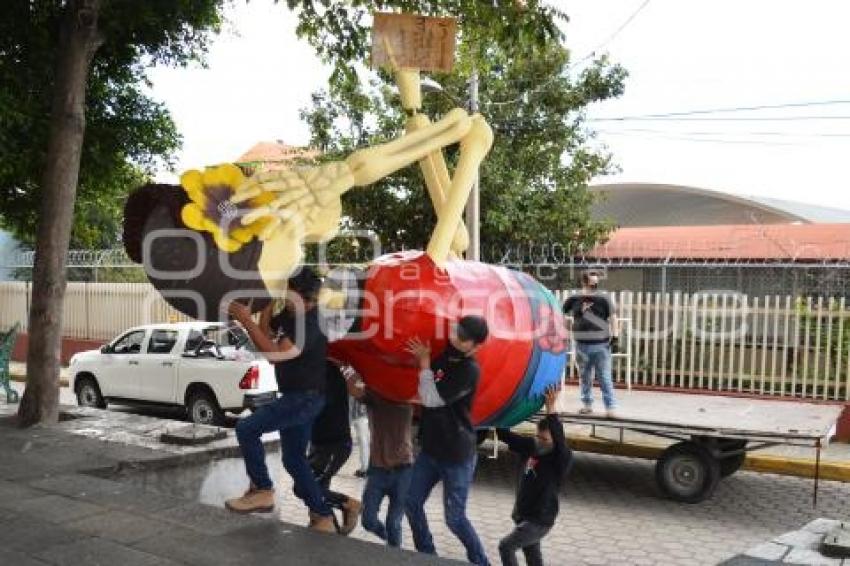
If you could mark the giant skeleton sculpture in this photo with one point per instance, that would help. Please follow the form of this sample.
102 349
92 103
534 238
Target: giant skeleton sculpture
221 236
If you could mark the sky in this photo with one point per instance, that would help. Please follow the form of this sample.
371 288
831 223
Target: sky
681 57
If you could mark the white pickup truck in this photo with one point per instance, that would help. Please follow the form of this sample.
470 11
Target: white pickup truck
208 368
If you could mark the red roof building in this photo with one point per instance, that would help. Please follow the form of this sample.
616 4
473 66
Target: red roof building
769 243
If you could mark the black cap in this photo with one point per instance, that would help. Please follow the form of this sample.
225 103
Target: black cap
473 328
306 283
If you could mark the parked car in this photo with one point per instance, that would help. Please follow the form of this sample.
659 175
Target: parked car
208 368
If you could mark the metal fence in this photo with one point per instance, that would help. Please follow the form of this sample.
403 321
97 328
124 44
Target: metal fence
722 341
92 311
775 345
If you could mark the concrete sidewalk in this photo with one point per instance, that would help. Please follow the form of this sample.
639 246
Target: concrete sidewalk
56 508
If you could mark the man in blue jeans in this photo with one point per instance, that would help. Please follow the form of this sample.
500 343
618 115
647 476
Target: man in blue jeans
594 327
446 389
294 342
390 461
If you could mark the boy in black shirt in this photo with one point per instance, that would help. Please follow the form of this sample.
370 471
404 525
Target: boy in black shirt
446 390
295 343
546 459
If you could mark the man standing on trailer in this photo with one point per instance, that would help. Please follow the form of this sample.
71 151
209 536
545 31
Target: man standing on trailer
594 329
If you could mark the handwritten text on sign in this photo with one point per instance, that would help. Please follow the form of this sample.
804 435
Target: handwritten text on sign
411 41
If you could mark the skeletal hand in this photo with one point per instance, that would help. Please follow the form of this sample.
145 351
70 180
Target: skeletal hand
309 196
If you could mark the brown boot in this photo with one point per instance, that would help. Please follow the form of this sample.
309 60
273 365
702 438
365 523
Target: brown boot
350 515
254 501
322 523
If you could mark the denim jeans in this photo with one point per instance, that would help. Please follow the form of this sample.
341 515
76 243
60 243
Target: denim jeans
390 483
292 415
456 480
595 357
527 536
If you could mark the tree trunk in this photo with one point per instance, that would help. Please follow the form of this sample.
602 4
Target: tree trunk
79 41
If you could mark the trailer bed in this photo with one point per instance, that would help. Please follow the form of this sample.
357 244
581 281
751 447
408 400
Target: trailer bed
686 414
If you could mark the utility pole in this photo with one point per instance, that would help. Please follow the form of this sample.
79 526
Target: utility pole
473 207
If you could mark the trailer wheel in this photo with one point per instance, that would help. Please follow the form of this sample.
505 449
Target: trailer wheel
687 472
732 463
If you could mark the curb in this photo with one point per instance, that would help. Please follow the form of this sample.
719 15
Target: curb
755 462
21 378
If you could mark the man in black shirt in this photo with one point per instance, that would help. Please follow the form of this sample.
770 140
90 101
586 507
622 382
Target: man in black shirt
594 328
295 344
330 446
446 389
545 461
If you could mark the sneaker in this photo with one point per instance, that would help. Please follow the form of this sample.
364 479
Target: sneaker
612 413
350 515
360 473
322 523
253 501
586 410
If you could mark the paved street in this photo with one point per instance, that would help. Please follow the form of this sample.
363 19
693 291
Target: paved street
610 514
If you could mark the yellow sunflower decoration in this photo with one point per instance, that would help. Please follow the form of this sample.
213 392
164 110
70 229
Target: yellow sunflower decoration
210 209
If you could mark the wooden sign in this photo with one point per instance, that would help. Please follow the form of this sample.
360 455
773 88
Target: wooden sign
411 41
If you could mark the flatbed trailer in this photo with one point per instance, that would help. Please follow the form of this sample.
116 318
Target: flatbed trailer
713 432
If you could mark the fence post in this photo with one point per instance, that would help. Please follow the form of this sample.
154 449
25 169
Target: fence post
786 349
839 351
87 306
828 349
674 335
639 332
806 333
683 340
655 338
721 355
764 341
742 343
692 326
754 346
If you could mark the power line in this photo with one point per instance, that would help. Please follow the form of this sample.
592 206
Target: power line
522 98
740 133
723 119
613 35
729 109
557 76
703 139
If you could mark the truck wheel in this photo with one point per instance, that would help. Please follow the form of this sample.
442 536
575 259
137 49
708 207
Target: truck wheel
88 393
732 463
203 408
687 472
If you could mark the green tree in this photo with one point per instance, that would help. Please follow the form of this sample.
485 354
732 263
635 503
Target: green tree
533 183
128 134
73 70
